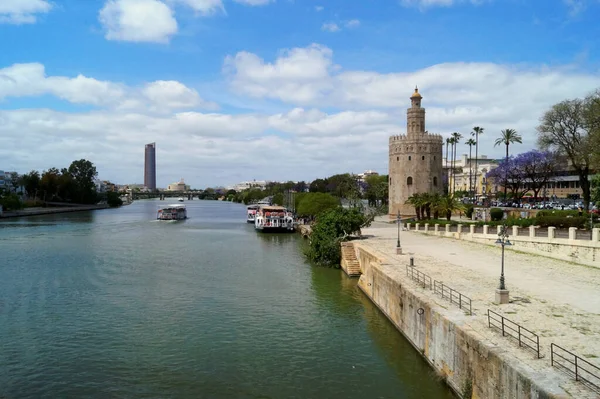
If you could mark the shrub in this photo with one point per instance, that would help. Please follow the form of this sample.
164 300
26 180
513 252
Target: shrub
332 227
469 211
113 200
11 202
562 222
555 212
496 214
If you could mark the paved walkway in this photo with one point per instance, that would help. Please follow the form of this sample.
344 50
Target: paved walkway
559 301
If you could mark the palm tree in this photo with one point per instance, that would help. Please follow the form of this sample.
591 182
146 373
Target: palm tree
449 204
448 141
456 139
471 143
476 132
434 200
507 137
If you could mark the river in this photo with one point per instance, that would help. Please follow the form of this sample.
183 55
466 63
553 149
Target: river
114 304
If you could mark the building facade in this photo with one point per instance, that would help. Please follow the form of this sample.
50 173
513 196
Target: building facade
150 166
178 186
466 178
415 161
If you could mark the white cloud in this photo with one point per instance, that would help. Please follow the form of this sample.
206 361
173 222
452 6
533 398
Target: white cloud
254 2
353 23
202 7
457 95
22 11
575 6
299 75
28 80
138 21
330 27
319 8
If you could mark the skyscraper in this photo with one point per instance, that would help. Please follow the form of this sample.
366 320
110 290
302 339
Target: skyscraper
150 166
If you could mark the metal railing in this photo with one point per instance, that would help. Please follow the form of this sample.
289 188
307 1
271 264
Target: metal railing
581 369
526 337
463 302
418 276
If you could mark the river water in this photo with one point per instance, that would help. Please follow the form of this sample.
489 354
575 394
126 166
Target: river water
113 304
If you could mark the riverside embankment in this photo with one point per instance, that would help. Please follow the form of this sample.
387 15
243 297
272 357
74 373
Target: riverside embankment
557 301
50 210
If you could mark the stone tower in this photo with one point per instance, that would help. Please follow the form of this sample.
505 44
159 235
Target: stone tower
415 161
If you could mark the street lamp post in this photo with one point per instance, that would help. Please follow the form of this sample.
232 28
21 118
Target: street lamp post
398 222
502 292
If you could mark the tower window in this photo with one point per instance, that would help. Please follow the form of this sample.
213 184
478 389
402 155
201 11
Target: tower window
434 181
409 158
423 158
409 181
397 158
434 157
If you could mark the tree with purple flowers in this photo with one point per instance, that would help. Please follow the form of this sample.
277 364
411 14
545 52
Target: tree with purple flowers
537 167
511 176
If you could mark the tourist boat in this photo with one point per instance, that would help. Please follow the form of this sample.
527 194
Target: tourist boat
251 213
172 212
180 199
271 218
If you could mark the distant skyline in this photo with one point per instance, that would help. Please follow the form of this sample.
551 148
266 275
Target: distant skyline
236 90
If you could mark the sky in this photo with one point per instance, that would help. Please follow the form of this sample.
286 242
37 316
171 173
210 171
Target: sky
236 90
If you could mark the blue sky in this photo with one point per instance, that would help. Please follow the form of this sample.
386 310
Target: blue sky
277 90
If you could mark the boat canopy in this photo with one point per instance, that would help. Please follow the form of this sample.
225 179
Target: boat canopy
176 206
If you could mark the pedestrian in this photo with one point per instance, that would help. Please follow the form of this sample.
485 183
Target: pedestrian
580 211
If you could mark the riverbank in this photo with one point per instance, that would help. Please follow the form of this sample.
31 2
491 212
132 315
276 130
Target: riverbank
557 301
50 210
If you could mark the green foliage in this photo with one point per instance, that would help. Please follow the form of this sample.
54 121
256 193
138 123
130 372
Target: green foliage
596 188
377 189
11 202
313 204
496 214
563 222
113 200
556 212
331 228
83 173
278 199
469 210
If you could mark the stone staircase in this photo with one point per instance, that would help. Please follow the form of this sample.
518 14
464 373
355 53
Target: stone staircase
349 262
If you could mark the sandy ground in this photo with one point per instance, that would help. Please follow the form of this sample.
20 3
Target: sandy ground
559 301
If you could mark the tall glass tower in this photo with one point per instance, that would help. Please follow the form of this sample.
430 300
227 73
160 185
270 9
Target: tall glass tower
150 166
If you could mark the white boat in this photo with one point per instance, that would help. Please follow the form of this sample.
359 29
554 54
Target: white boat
172 212
273 219
251 213
180 199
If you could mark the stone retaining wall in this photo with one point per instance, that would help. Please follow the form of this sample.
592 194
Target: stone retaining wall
471 365
586 252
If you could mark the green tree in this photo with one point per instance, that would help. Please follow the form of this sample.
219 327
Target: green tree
595 194
11 202
377 189
318 186
507 137
449 204
569 128
331 228
278 199
83 173
31 182
312 204
113 199
49 183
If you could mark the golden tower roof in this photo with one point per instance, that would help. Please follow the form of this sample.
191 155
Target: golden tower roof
416 94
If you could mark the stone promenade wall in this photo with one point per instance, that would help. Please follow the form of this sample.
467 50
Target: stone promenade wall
471 365
586 252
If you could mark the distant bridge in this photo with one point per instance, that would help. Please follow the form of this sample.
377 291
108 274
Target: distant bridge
189 195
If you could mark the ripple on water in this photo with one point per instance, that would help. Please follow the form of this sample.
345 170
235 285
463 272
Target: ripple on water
116 305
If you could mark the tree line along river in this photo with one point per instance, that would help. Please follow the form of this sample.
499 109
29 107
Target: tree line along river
114 304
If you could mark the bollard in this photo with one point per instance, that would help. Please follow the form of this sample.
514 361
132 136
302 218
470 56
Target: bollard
412 261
